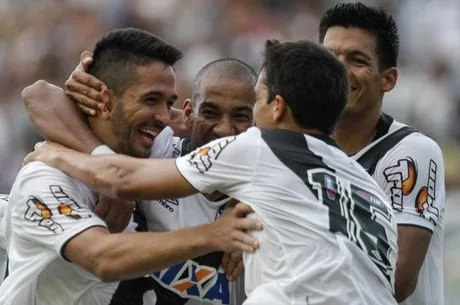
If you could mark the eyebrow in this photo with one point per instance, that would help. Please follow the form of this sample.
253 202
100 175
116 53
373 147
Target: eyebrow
358 53
158 94
241 109
209 105
351 53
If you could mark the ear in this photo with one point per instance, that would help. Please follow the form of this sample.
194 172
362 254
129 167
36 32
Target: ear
187 110
278 108
107 99
389 79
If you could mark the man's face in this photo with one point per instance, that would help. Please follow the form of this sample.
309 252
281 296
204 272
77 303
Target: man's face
144 109
356 48
223 108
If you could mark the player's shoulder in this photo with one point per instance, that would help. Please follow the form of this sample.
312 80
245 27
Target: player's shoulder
417 145
36 175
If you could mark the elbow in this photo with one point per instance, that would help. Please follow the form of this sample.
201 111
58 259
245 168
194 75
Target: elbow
106 271
404 289
31 91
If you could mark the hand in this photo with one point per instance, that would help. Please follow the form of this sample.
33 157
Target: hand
115 213
232 263
45 152
84 88
228 232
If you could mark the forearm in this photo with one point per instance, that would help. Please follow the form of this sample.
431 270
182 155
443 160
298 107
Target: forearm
57 118
124 177
130 255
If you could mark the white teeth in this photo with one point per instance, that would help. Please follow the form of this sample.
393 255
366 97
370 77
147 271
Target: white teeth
150 132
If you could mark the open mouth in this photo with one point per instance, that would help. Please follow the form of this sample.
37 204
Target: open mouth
148 135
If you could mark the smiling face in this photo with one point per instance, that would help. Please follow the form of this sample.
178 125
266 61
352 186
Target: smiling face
223 108
357 49
143 110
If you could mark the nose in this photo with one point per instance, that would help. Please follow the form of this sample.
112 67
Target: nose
224 128
163 115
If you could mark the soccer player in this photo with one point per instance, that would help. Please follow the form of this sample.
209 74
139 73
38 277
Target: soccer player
406 164
221 105
329 232
59 251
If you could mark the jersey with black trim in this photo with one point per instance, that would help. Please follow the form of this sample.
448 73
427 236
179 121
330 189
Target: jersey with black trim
329 234
409 167
46 209
196 281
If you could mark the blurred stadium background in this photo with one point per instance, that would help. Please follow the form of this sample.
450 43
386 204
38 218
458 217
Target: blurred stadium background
43 39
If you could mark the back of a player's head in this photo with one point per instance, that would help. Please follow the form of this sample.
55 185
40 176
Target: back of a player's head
373 20
224 68
310 79
118 52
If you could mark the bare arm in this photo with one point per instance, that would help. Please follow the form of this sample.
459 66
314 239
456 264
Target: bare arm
114 257
57 118
413 244
117 176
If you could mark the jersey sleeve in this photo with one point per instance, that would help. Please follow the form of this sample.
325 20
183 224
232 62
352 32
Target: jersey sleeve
412 176
225 165
48 208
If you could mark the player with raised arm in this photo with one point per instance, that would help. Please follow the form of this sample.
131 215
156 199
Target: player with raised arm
59 251
406 164
220 105
329 232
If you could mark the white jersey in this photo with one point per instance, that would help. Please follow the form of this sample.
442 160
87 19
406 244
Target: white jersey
3 253
196 281
329 232
47 209
409 167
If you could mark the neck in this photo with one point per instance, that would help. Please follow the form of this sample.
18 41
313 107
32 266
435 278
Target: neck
295 128
103 130
354 132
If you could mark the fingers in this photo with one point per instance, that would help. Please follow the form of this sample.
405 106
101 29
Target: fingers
29 158
246 239
241 210
249 224
86 59
122 216
232 263
86 110
81 84
237 270
102 208
225 261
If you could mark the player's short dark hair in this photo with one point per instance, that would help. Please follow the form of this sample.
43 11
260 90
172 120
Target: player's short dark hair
310 78
371 19
225 67
119 51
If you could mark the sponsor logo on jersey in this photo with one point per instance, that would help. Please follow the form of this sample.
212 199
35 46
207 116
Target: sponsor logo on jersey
166 203
200 282
67 206
427 194
203 158
403 177
38 211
